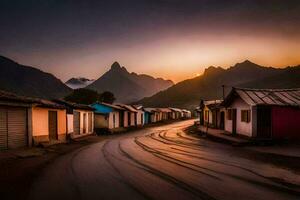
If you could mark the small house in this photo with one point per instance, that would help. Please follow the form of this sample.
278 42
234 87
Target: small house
166 113
176 113
26 121
107 117
130 115
154 114
186 113
263 113
80 119
140 115
212 114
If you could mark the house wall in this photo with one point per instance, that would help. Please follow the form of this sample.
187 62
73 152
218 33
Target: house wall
285 122
40 124
126 119
210 117
132 119
140 119
82 112
114 124
100 121
70 125
242 128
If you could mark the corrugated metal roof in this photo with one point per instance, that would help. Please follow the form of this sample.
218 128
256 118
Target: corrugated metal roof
212 102
11 97
128 107
164 109
280 97
112 106
73 105
176 109
150 109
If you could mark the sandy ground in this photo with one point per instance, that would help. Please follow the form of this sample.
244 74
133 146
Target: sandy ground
164 162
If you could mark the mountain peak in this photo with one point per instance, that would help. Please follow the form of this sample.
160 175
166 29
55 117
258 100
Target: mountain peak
115 65
247 64
213 70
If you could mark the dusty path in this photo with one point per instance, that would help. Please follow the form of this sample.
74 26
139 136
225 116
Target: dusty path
163 163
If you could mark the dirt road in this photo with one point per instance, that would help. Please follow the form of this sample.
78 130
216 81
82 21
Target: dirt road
163 163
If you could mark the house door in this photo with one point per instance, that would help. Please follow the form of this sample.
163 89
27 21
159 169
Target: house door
84 122
129 118
264 123
76 122
135 119
52 125
13 128
142 118
222 120
233 121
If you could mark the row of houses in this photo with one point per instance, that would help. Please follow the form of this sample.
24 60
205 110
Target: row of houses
28 121
113 117
255 113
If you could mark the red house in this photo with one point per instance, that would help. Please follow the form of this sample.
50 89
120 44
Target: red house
263 113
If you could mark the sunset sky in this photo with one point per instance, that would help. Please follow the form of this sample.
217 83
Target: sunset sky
173 39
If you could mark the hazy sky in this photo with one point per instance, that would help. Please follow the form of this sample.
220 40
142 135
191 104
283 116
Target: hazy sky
174 39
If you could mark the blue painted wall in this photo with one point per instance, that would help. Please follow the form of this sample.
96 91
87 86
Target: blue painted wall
100 108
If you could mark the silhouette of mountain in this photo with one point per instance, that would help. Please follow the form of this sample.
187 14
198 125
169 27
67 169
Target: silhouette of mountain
128 87
29 81
188 93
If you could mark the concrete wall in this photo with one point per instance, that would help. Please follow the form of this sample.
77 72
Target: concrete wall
100 121
70 125
132 119
210 117
140 119
126 119
40 124
242 128
114 123
82 112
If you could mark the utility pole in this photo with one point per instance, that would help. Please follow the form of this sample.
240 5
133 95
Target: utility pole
223 88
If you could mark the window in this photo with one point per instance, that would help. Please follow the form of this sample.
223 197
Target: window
229 114
245 116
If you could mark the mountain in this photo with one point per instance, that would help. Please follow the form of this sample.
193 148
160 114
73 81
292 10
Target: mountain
80 82
128 87
187 94
29 81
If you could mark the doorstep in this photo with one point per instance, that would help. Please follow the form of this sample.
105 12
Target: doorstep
221 136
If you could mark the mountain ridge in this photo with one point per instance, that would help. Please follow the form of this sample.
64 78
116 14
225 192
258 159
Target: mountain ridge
128 87
208 86
29 81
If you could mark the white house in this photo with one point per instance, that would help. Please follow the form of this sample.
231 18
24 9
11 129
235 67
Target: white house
140 115
263 113
130 115
211 114
80 119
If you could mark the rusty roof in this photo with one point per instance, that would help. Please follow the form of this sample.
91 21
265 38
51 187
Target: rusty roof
73 105
8 97
280 97
128 107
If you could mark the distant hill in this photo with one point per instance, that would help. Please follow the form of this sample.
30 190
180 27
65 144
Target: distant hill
188 93
128 87
80 82
29 81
